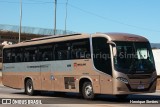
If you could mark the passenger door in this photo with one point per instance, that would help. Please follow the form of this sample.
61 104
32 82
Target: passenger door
102 62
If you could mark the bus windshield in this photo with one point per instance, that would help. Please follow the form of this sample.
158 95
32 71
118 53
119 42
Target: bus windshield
134 57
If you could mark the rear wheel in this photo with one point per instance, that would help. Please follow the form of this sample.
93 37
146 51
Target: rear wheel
29 87
87 91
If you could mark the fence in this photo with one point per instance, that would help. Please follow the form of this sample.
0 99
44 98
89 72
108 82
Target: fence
33 30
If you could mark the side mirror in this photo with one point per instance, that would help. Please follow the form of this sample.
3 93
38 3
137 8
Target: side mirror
114 47
114 51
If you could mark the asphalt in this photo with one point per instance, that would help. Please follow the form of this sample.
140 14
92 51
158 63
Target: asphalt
74 99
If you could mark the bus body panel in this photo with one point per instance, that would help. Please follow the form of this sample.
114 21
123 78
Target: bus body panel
46 77
106 84
137 83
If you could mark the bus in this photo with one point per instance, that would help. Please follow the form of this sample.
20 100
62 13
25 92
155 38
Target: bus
90 64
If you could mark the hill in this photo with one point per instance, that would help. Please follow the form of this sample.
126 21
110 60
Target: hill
155 45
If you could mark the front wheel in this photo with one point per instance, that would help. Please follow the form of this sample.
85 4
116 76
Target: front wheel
29 87
87 91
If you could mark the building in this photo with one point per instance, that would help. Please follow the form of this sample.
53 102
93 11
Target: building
156 54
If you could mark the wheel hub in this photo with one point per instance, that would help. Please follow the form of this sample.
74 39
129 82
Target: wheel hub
88 90
29 88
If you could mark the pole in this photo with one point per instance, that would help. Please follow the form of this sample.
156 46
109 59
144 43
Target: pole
20 21
66 17
55 17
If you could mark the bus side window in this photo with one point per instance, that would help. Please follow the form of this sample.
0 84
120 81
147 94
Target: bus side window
30 54
13 55
81 49
7 56
62 51
26 56
45 53
19 55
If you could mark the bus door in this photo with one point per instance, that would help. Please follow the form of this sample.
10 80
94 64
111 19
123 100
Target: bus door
106 77
46 77
102 62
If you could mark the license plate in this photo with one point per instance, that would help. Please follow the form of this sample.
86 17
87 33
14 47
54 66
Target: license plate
141 87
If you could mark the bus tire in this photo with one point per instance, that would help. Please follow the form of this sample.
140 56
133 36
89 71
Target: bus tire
87 91
29 87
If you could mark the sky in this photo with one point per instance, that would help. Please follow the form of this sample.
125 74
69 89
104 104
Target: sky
140 17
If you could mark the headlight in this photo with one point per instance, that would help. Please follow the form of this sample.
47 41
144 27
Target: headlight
124 80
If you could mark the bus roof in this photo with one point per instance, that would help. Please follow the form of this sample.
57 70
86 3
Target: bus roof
55 38
124 37
50 37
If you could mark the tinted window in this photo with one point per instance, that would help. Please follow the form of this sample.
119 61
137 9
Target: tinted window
18 52
76 49
101 50
62 51
81 49
7 56
13 55
45 53
30 54
21 55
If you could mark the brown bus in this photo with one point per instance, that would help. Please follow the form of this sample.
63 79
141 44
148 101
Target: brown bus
103 63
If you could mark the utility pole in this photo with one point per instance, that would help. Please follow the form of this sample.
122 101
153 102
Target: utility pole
20 21
66 17
55 10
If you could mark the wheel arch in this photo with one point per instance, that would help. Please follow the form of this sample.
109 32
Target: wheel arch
27 78
82 80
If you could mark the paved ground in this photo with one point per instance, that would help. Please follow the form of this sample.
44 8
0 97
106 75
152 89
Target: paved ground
74 100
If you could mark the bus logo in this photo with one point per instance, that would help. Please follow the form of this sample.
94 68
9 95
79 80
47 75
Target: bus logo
6 101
